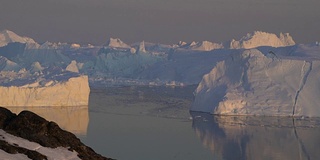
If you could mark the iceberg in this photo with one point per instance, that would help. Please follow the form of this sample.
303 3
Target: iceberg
7 37
7 65
38 85
200 46
258 38
258 82
116 43
73 91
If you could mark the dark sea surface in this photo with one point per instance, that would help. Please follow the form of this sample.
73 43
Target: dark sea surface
154 123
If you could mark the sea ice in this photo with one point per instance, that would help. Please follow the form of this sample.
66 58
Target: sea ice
260 74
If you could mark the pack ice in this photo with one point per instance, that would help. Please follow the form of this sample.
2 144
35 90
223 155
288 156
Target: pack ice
260 74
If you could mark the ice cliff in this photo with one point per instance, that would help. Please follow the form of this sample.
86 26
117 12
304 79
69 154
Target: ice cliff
262 82
72 91
24 81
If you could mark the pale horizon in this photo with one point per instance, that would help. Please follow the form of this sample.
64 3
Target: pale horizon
166 22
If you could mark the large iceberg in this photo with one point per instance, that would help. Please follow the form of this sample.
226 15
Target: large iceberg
39 86
258 38
71 91
283 82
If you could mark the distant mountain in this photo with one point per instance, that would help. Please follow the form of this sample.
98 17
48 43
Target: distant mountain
258 38
7 36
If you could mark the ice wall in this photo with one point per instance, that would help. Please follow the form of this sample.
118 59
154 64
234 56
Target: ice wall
72 92
256 83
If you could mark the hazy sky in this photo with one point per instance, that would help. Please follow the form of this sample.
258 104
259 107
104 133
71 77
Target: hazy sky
159 21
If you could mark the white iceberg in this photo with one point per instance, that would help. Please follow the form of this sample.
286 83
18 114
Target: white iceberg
116 43
256 83
72 67
7 37
201 46
59 90
258 38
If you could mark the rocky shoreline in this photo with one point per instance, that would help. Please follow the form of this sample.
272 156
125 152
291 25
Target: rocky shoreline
32 127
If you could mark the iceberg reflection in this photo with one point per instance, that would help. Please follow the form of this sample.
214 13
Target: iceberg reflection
232 137
74 119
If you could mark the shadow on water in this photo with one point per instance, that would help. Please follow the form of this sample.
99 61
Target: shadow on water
155 101
241 137
74 119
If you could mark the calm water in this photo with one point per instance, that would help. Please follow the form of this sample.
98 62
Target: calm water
153 123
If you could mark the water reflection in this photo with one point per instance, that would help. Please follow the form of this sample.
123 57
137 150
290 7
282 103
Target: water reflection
73 119
230 137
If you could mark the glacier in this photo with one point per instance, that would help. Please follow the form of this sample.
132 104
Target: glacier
259 74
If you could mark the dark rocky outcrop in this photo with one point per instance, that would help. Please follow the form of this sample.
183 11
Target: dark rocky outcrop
30 126
13 149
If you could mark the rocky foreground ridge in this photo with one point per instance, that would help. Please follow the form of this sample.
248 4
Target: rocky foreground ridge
32 127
